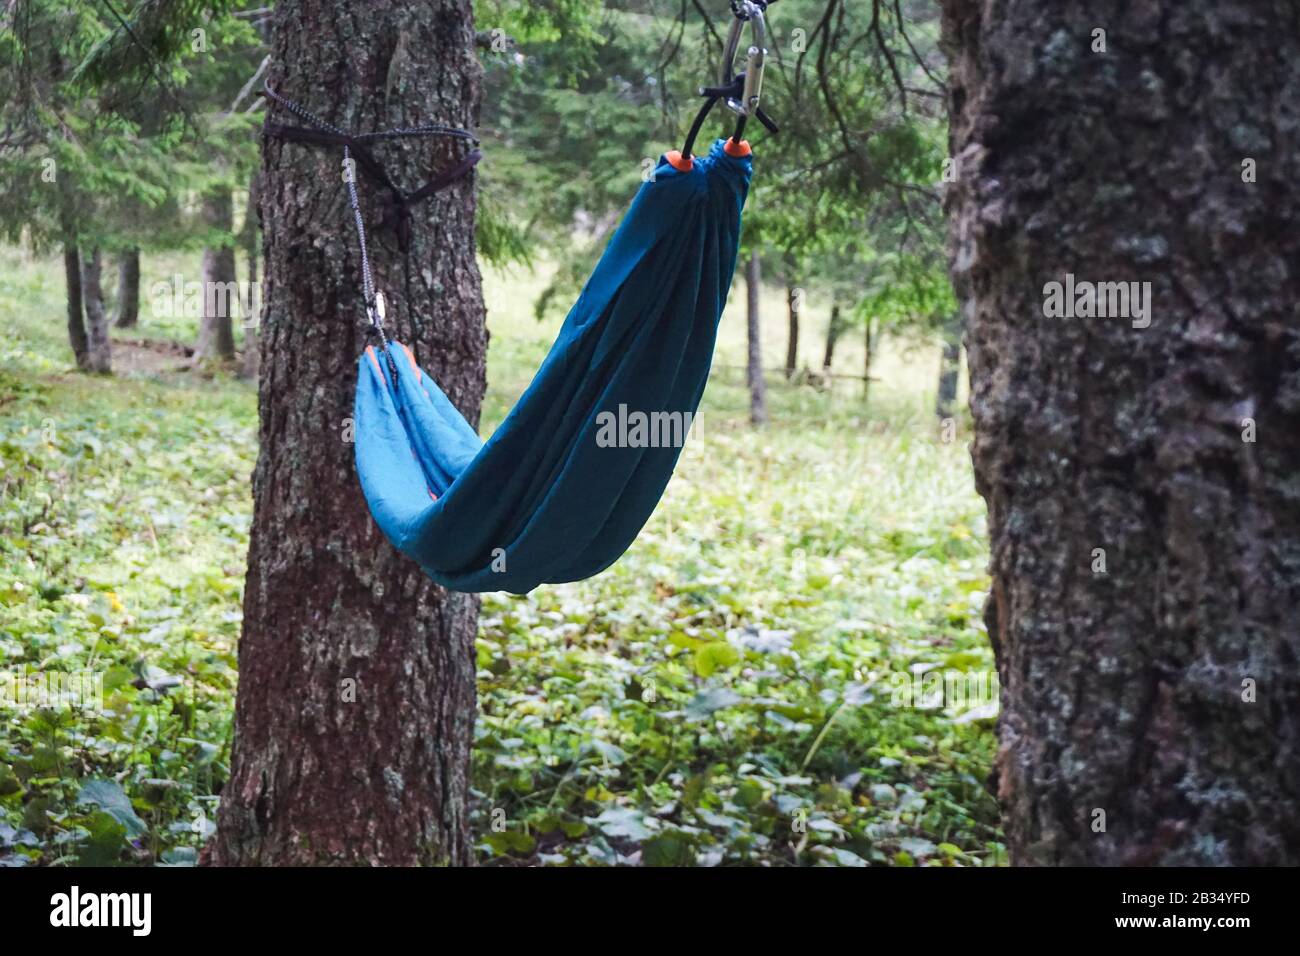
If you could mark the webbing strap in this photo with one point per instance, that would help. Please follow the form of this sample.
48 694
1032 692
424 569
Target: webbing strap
396 212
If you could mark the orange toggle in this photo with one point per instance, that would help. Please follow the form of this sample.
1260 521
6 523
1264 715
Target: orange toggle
737 149
683 164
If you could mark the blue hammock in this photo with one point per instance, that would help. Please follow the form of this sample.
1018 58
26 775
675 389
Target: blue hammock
543 500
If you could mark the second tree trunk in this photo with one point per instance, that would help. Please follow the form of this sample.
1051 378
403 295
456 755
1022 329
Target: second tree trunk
1138 441
128 289
99 349
221 299
792 296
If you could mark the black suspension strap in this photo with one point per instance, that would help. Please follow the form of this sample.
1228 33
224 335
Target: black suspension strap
396 213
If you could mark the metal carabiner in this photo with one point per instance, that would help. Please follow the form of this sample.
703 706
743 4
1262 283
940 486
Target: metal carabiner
747 105
747 86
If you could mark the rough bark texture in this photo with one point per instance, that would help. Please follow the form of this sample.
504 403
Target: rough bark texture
754 363
220 283
128 289
792 335
72 276
1129 692
99 347
949 368
248 364
316 779
832 337
76 311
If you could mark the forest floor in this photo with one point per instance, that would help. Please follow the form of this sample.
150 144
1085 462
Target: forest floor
788 666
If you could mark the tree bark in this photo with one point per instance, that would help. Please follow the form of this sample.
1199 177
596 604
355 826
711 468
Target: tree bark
331 610
832 337
220 283
253 300
72 277
1145 539
949 368
99 347
792 338
754 364
868 355
128 289
76 320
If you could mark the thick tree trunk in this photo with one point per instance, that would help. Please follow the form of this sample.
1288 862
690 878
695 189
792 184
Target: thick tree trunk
356 701
253 300
220 283
949 368
754 364
832 337
128 289
99 347
792 338
76 318
1140 470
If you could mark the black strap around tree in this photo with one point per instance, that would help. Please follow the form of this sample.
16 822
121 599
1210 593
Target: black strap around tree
396 212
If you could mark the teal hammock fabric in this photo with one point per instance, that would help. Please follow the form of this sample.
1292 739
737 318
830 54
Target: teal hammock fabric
543 500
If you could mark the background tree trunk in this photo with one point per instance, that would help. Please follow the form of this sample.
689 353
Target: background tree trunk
99 347
792 338
72 277
253 300
315 777
220 282
949 368
128 289
76 320
868 354
754 365
1150 710
832 336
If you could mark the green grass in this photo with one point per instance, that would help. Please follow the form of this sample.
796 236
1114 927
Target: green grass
727 693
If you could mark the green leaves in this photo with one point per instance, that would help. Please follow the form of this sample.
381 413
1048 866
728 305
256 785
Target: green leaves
509 842
113 571
114 141
672 848
622 822
112 799
105 836
713 656
706 702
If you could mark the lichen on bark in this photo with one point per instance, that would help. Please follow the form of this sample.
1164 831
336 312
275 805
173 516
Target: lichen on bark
1126 693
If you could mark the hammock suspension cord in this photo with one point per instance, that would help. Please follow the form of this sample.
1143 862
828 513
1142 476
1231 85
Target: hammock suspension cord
741 91
396 211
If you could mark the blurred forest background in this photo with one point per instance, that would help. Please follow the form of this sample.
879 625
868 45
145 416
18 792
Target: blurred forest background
795 635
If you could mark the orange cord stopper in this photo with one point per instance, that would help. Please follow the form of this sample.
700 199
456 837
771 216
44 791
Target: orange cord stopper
683 164
737 149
